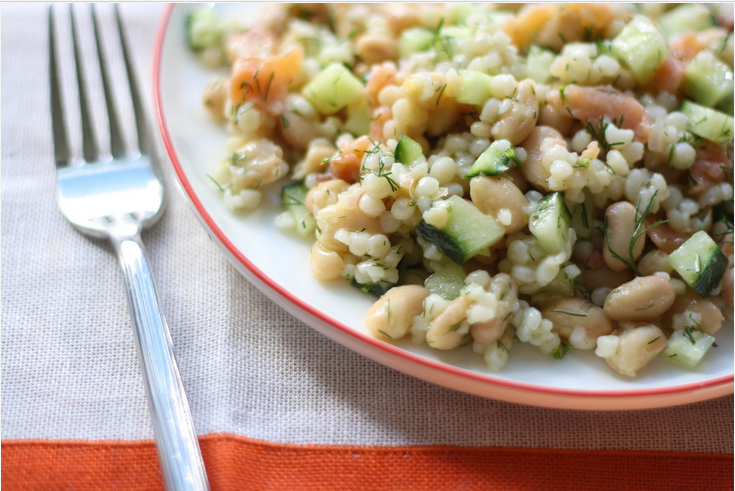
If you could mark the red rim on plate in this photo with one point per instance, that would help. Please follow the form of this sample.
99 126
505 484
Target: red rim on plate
716 386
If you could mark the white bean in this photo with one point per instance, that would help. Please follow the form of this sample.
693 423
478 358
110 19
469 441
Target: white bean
639 343
641 299
392 315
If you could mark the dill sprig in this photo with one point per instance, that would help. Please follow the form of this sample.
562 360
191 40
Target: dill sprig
437 31
638 232
455 327
219 186
574 314
599 132
728 230
561 351
441 92
382 171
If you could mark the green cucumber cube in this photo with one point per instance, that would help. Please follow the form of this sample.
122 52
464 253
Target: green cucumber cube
641 47
414 40
685 18
496 159
293 197
708 80
358 119
203 29
447 281
467 232
708 123
687 346
700 263
407 150
474 87
539 63
550 223
332 89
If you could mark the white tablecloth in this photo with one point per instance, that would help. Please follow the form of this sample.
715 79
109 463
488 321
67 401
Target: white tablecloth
69 367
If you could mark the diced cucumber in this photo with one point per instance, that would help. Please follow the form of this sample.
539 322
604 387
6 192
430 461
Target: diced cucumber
700 263
467 232
641 47
727 104
474 87
407 150
457 13
687 346
707 80
499 17
688 17
446 42
708 123
377 289
293 197
332 89
561 286
539 63
496 159
447 281
604 47
455 32
414 40
294 194
550 223
582 217
203 29
358 120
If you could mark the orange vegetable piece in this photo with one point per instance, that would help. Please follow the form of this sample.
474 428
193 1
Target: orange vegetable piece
265 82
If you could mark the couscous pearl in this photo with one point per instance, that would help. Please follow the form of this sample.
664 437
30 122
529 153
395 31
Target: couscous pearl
443 169
427 186
371 206
561 169
682 156
402 209
378 246
388 223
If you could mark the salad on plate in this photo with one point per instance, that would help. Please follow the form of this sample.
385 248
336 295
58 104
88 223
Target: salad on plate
559 175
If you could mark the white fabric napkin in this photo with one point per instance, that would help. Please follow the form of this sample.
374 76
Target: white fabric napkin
69 367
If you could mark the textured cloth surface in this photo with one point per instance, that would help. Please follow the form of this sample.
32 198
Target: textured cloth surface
69 367
134 466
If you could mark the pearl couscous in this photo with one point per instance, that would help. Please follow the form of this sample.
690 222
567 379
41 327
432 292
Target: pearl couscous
556 175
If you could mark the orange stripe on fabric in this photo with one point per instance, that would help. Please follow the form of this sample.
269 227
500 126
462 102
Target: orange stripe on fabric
240 463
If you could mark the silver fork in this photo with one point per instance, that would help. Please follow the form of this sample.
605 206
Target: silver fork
115 197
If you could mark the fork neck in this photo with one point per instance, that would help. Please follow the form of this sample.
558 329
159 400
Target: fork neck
122 230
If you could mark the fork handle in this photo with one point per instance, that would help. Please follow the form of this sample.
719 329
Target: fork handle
178 447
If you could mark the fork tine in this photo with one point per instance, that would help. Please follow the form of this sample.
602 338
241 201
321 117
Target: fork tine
117 148
61 144
140 122
89 146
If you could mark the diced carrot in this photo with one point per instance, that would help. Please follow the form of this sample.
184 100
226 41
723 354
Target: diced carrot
379 77
265 82
523 27
685 47
669 76
590 103
346 165
595 16
380 116
712 166
663 236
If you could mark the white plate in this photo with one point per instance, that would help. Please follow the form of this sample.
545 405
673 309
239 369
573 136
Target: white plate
278 264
